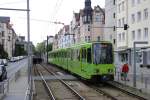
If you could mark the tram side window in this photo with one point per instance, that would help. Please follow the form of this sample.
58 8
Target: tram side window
89 60
84 55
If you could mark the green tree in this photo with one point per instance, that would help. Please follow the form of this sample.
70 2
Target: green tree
19 50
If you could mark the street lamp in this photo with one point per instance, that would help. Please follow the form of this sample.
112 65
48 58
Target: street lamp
134 64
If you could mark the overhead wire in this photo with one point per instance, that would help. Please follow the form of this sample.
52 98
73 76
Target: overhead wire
14 2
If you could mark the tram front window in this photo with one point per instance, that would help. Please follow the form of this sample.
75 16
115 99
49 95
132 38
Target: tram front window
103 53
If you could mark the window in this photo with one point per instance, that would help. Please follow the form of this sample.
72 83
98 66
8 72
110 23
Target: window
123 36
114 2
146 13
133 2
97 18
114 15
89 60
138 16
3 42
139 33
3 33
88 27
123 6
133 18
133 35
86 38
119 8
138 1
98 38
83 54
146 33
119 37
123 21
119 23
8 38
89 38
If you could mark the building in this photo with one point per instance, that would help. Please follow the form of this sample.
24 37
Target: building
110 21
92 22
135 13
7 35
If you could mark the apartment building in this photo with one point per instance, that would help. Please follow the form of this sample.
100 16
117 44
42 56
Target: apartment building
91 23
135 13
110 21
7 35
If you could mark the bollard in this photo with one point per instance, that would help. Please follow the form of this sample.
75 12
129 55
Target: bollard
146 78
118 76
142 79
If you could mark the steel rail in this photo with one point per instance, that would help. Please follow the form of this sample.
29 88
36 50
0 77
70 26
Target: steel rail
74 91
104 93
112 83
47 87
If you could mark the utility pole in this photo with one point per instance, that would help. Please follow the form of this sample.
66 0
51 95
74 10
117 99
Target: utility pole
47 49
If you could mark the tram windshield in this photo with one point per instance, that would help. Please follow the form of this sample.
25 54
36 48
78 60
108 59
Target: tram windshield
103 53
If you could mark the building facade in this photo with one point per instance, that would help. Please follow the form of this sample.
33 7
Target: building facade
110 21
7 35
92 22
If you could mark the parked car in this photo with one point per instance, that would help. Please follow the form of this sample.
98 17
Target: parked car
3 73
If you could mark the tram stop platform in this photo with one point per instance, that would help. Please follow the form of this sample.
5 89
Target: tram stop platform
16 87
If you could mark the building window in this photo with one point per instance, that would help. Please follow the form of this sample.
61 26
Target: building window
123 36
123 21
114 15
88 27
8 38
138 1
133 2
119 37
98 38
3 42
89 38
119 8
85 38
3 33
133 35
114 2
138 16
123 6
133 18
139 34
146 33
119 23
146 13
97 18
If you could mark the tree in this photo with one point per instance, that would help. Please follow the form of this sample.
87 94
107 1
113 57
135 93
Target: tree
19 50
3 53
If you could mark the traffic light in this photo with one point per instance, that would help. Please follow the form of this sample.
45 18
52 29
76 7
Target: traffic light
126 26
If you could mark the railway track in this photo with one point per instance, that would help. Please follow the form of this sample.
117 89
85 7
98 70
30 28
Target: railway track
106 92
74 96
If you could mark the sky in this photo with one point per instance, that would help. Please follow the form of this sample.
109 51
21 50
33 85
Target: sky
42 13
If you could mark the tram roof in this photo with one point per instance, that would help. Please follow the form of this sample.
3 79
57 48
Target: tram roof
85 44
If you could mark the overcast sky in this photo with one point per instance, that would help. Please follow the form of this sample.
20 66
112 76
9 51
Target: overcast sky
43 11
